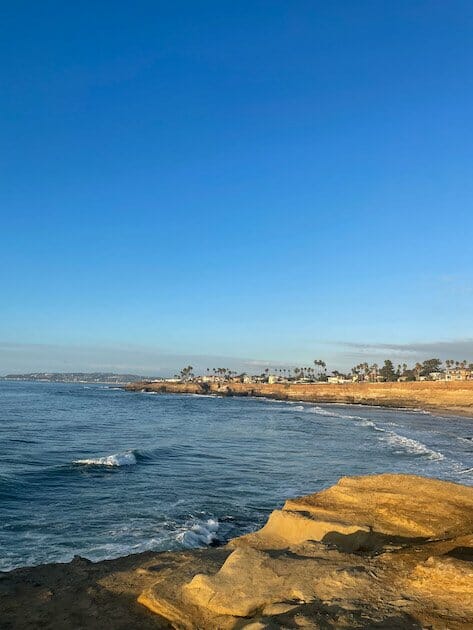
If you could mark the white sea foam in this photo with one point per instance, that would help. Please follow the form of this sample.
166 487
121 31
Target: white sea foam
199 533
117 459
411 446
369 423
333 414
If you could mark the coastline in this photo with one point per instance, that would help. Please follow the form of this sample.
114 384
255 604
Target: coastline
448 398
380 551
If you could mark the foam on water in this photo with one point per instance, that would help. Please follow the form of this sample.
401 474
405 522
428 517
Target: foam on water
369 423
199 533
333 414
117 459
411 446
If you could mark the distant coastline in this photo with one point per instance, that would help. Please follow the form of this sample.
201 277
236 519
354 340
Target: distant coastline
73 377
451 398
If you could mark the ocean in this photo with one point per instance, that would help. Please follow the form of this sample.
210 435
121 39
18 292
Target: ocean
99 472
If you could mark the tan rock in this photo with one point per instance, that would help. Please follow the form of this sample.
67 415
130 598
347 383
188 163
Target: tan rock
446 582
401 506
317 562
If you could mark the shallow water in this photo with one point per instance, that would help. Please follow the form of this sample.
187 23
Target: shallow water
100 472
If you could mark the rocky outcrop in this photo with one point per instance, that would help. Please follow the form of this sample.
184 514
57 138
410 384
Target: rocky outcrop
384 551
451 397
381 551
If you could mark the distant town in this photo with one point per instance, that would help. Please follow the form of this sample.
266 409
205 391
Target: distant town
429 370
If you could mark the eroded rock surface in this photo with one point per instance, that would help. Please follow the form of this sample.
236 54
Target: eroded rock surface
383 551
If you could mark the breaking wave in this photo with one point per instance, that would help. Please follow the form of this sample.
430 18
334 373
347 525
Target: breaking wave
199 534
406 444
333 414
411 446
115 460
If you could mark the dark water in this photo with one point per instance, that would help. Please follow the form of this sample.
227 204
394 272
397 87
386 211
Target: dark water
166 471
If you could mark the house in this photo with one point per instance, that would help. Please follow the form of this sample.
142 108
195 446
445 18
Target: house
338 380
458 374
437 376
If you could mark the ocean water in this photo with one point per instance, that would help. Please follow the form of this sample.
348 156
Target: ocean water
97 471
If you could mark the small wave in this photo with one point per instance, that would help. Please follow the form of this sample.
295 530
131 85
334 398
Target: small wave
411 446
333 414
465 471
115 460
366 423
369 423
199 533
467 439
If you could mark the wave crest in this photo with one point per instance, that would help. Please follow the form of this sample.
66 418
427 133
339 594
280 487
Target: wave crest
115 460
411 446
199 534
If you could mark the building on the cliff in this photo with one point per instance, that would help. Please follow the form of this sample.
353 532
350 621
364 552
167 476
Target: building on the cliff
437 376
338 380
458 374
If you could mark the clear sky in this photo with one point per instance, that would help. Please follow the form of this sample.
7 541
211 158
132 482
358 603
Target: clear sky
256 181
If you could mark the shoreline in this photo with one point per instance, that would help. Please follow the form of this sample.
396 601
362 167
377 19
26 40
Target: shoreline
377 551
445 398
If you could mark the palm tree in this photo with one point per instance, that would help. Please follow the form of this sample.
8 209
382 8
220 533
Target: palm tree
418 370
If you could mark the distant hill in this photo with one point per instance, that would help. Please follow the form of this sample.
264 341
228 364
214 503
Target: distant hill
74 377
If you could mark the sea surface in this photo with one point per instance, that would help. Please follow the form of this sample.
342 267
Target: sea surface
100 472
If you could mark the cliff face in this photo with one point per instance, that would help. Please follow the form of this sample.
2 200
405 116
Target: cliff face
454 397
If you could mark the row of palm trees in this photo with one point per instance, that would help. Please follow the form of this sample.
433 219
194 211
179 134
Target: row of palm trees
362 371
318 372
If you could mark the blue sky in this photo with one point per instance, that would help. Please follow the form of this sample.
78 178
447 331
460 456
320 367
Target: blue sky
256 182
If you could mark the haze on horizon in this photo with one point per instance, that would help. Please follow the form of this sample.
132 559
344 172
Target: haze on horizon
257 183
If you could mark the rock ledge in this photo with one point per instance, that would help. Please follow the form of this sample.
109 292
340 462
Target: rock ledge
382 551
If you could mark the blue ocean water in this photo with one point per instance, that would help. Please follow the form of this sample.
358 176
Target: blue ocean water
97 471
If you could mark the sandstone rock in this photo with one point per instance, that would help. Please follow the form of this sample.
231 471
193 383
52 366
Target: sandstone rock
404 506
319 558
446 582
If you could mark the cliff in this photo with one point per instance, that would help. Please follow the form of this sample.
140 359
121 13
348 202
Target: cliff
383 551
449 397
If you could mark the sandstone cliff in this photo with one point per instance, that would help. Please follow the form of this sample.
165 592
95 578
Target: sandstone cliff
450 397
384 551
